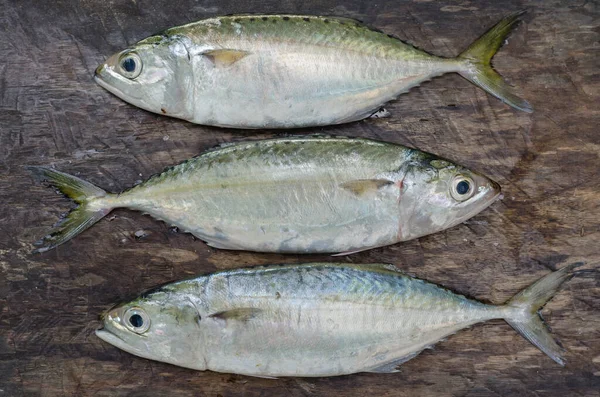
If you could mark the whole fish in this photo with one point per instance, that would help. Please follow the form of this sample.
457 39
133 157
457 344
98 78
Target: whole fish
286 71
299 194
311 320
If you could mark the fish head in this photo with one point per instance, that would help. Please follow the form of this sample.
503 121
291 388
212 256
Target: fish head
159 326
154 74
438 194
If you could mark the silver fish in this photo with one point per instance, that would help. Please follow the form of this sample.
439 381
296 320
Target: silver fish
299 195
311 320
286 71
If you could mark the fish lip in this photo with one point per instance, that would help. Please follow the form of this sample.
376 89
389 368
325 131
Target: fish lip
101 77
101 71
495 186
108 336
487 202
116 341
105 74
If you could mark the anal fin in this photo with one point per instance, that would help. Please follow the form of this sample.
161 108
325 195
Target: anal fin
215 244
263 376
392 366
351 252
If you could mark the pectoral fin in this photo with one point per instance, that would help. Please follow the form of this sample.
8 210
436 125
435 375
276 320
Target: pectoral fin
225 57
240 314
361 187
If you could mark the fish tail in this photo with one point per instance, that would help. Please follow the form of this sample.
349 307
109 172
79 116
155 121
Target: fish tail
91 208
477 67
523 311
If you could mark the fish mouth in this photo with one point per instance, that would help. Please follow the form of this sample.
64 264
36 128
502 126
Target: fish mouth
107 78
109 337
485 200
117 342
102 76
495 187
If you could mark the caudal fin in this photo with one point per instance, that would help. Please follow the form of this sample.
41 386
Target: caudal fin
80 218
526 319
478 68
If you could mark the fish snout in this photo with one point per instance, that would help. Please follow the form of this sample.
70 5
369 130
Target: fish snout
495 191
107 65
99 70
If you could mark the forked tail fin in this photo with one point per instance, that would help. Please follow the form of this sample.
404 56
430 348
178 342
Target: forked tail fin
478 68
80 218
526 319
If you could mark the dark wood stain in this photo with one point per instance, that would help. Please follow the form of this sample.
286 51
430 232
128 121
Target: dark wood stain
52 113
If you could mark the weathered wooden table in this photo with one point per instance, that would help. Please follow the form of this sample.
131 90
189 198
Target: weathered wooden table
52 113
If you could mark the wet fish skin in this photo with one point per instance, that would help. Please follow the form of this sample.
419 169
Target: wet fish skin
299 195
286 71
311 320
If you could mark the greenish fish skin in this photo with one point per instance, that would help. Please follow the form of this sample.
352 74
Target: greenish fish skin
315 319
286 71
312 194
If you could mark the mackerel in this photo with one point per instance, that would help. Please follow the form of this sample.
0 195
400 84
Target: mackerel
316 319
312 194
287 71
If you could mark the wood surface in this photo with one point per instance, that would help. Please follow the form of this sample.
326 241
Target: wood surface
52 113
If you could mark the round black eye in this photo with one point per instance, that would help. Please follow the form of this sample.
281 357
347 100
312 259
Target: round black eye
462 187
128 64
136 320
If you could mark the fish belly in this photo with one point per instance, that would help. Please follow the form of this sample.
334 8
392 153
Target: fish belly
292 216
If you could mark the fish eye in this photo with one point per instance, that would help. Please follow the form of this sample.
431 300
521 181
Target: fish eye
136 320
130 65
462 188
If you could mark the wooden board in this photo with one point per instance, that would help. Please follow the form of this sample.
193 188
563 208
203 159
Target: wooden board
52 113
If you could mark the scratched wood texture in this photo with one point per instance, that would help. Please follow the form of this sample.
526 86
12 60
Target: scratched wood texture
52 113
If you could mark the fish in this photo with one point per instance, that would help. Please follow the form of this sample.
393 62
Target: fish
287 71
317 319
301 194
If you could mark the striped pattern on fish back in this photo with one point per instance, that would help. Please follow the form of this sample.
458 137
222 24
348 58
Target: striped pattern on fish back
235 161
368 284
334 32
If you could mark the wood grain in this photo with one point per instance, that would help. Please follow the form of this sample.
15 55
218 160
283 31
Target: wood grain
52 113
